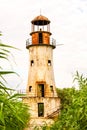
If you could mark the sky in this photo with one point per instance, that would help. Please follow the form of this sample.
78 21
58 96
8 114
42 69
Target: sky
68 26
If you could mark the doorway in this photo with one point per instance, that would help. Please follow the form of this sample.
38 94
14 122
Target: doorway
40 90
40 109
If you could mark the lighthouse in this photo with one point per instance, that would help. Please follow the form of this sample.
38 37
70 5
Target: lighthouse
41 95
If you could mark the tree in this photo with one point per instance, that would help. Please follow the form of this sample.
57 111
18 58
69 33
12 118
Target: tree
74 113
65 95
14 115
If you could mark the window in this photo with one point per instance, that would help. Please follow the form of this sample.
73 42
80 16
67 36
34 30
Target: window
32 62
30 88
49 62
40 38
40 109
51 88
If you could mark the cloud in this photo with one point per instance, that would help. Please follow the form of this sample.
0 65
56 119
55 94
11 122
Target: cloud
68 26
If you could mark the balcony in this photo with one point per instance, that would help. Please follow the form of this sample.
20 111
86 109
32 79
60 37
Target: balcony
29 43
33 94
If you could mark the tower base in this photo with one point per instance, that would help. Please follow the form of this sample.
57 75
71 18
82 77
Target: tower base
44 114
38 123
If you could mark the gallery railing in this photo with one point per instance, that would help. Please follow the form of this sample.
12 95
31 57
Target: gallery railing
52 42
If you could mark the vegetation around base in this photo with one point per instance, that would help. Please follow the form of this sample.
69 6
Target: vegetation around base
14 115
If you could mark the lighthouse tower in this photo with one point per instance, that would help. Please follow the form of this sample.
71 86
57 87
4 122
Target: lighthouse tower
41 93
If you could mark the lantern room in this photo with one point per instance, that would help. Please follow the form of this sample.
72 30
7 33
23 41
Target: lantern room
40 32
40 23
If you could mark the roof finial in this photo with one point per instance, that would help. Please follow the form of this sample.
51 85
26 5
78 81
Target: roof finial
40 11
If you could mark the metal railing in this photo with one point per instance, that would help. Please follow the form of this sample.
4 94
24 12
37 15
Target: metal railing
21 91
52 42
53 112
33 94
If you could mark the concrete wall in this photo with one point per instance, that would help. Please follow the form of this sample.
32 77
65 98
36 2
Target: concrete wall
50 105
41 71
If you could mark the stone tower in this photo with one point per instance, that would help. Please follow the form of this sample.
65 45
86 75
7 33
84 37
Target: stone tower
41 93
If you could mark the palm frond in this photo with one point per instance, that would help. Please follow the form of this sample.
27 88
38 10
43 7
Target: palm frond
4 57
7 46
16 95
7 72
4 50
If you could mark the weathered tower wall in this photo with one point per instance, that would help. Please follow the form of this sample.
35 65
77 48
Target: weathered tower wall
41 95
41 71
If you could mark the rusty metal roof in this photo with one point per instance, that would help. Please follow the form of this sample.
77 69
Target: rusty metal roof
40 20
